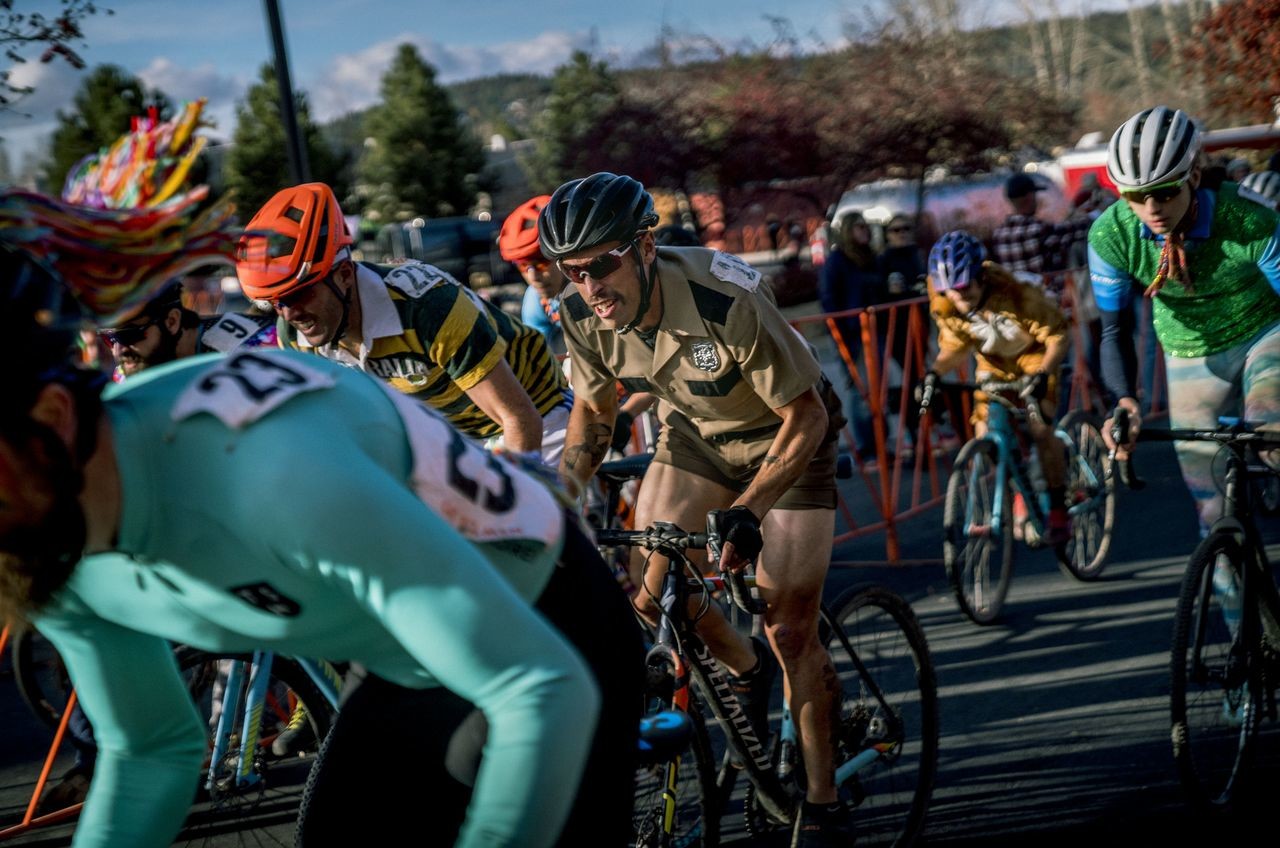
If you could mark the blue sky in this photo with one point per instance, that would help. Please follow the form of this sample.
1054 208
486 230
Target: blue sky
340 48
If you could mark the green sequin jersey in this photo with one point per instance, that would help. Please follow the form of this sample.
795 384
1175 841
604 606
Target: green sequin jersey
1230 299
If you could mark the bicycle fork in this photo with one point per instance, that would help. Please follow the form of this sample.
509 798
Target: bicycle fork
259 679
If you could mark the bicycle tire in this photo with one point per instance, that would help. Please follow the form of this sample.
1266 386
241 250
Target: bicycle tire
969 549
40 676
1215 702
893 793
273 804
696 819
1088 476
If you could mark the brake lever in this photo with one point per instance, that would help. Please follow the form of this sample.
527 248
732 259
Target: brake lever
735 581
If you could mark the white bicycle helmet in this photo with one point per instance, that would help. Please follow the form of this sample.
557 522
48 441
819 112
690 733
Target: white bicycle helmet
1155 147
1265 184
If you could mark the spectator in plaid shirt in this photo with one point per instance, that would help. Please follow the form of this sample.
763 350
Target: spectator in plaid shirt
1026 243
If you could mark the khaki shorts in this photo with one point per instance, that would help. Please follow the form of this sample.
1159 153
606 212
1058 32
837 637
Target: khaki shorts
734 465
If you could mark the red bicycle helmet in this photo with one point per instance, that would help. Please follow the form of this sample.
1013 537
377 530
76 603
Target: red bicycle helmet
518 240
293 242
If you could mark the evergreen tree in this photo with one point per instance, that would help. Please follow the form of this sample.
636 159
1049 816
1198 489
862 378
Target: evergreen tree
108 99
420 159
583 96
258 164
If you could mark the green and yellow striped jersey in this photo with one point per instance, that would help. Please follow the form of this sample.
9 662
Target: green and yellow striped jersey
433 338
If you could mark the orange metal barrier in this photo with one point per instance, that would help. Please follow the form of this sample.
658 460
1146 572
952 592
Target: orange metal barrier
30 820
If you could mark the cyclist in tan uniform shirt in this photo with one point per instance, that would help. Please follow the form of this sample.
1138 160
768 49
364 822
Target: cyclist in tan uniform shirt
749 425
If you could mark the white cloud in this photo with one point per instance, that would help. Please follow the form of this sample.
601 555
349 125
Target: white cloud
27 125
179 83
352 80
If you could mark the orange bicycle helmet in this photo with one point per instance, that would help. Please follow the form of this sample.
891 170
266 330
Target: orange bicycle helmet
293 242
518 240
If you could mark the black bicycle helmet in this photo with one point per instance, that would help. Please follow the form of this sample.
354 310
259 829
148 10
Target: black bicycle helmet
600 209
592 211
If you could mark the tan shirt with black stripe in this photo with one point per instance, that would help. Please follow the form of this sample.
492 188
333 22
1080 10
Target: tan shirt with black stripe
724 357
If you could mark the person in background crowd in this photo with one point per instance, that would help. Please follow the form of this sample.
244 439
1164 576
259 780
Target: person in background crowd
1238 169
1025 242
850 280
902 267
518 244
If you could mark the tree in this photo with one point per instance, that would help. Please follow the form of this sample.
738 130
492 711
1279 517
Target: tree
584 94
1237 59
105 105
19 30
420 158
258 164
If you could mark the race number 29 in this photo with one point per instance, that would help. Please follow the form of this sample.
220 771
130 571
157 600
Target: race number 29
246 386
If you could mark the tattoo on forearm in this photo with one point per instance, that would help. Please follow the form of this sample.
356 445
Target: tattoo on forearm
592 451
771 459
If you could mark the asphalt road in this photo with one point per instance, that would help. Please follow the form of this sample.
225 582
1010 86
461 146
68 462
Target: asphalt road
1055 725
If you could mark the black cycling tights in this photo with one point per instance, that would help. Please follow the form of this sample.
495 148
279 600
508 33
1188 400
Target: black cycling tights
394 755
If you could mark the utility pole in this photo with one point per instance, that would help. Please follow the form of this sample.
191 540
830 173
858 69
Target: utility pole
298 165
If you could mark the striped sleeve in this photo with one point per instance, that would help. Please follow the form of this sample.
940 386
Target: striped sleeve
457 335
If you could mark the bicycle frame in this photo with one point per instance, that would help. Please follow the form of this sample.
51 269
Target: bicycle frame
324 676
678 647
1010 470
1258 591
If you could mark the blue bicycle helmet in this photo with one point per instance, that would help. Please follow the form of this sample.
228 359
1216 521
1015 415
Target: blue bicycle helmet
956 261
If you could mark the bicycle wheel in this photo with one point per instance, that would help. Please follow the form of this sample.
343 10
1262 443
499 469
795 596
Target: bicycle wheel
40 675
695 821
1090 497
264 813
890 704
1214 698
979 559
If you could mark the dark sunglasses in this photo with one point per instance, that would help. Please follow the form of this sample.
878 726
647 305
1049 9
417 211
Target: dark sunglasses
1160 194
598 268
128 335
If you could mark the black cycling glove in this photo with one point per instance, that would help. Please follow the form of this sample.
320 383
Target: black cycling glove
740 526
621 430
1036 385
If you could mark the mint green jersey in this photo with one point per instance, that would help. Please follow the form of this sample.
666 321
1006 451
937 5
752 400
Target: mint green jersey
273 500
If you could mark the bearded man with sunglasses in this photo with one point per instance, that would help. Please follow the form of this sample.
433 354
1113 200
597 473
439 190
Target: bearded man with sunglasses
412 325
165 330
748 425
1210 262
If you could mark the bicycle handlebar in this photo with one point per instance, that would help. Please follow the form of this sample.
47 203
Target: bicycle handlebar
1120 435
670 539
993 389
1233 433
734 580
